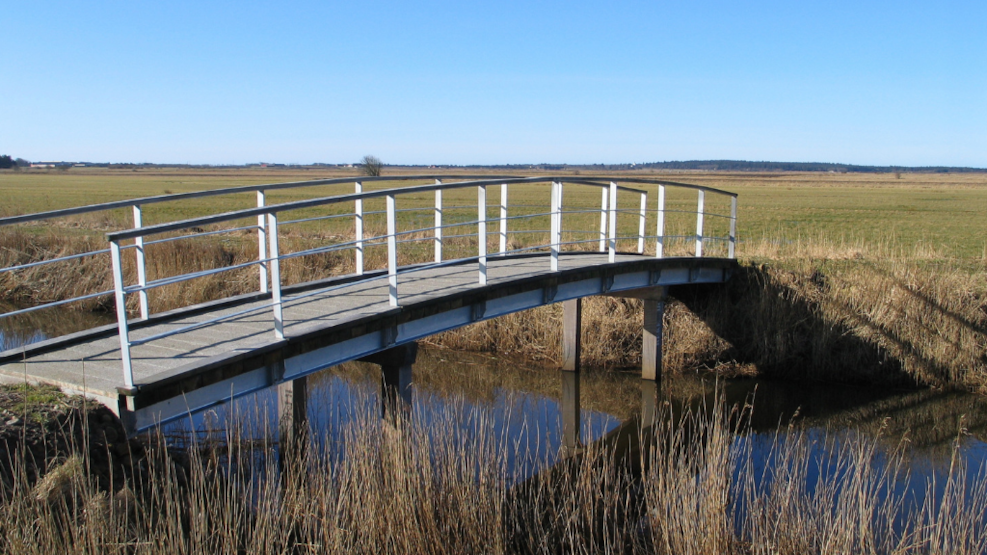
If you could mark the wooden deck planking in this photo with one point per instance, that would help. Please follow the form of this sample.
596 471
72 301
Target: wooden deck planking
103 367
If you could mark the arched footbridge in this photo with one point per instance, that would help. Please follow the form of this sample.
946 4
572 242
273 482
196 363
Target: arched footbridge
432 254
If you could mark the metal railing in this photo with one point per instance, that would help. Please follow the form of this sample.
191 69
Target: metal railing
268 229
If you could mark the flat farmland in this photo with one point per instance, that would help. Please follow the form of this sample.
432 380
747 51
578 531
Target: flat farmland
944 213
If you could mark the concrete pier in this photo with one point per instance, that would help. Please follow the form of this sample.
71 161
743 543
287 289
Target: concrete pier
572 323
292 418
395 365
572 320
570 410
651 363
649 402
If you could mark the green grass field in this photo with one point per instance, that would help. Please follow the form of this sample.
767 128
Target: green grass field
944 212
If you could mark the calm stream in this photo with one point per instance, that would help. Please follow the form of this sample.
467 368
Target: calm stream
526 407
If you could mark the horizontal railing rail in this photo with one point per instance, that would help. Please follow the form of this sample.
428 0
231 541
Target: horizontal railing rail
444 226
136 205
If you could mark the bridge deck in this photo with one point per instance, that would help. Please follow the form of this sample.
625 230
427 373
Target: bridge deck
94 365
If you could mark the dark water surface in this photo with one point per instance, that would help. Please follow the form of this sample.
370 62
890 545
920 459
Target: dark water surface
525 404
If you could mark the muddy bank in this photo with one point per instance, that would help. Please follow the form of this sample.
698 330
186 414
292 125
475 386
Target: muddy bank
41 429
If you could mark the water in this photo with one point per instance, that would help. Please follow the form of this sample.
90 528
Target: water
527 409
33 327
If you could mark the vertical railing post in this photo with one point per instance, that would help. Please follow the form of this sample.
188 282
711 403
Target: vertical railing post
603 218
121 301
141 264
612 235
392 253
699 223
561 209
262 243
275 264
733 228
481 231
438 222
503 219
554 231
358 232
660 231
644 217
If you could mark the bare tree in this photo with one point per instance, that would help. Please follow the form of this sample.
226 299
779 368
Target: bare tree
371 165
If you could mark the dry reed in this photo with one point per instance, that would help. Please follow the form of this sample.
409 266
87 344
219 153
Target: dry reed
445 484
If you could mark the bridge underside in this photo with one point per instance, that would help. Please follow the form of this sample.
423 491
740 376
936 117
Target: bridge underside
196 369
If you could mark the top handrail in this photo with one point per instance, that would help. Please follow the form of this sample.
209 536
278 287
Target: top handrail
321 201
63 212
299 204
581 178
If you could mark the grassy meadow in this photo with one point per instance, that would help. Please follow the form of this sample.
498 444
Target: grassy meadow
942 211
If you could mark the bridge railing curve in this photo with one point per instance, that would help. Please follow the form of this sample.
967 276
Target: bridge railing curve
523 218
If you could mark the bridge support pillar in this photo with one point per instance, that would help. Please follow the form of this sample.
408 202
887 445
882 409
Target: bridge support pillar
395 365
649 403
651 363
572 316
292 417
572 323
570 410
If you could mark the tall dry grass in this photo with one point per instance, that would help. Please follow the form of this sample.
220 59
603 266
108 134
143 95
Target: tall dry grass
845 312
65 280
446 485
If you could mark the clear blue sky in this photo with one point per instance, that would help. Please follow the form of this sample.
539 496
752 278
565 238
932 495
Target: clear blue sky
434 82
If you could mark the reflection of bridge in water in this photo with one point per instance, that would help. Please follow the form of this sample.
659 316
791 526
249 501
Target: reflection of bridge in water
157 367
573 405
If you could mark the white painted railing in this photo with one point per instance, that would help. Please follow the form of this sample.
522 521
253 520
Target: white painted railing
268 232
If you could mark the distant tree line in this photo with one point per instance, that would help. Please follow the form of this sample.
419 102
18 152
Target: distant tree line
729 165
371 165
743 165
